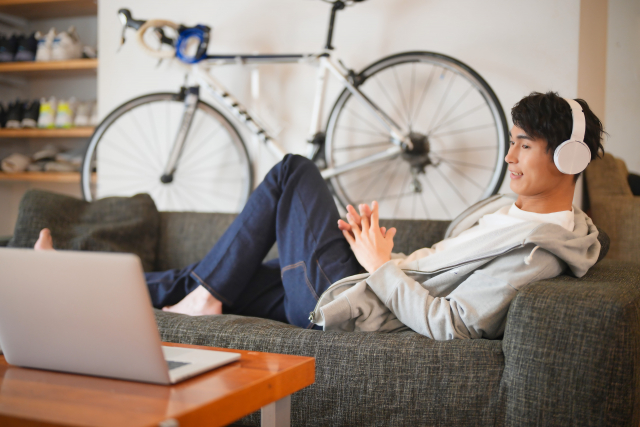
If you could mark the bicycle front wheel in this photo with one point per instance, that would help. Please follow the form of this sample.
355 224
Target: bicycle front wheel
130 148
454 121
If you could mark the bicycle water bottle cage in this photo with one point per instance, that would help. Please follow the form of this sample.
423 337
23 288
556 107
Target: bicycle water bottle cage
191 46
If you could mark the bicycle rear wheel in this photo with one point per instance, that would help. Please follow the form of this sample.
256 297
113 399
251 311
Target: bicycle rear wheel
130 148
454 120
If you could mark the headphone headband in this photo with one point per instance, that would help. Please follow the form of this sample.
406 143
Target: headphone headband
579 123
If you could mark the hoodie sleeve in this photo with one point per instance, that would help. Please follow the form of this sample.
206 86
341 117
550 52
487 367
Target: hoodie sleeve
476 308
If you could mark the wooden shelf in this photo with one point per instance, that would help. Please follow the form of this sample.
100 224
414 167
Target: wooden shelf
57 177
72 67
81 132
44 9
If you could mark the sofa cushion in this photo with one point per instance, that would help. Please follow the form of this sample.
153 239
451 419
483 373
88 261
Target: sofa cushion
113 224
364 379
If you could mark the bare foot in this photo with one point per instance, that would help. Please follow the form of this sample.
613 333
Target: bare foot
45 242
197 303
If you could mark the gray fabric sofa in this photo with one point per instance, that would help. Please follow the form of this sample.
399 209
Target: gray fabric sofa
570 354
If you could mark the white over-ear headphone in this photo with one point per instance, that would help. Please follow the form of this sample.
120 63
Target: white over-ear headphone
572 156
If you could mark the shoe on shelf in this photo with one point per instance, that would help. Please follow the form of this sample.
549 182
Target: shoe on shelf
73 157
66 113
3 115
8 46
45 43
66 46
89 52
48 152
83 114
30 115
14 115
26 48
36 166
47 116
60 167
16 162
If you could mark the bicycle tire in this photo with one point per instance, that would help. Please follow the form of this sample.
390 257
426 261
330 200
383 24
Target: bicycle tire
439 169
209 177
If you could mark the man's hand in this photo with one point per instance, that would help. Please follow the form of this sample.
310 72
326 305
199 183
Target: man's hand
365 210
371 247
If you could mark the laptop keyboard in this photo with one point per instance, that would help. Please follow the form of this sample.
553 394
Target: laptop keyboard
173 364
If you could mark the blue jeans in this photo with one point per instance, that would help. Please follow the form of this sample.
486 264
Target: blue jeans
292 207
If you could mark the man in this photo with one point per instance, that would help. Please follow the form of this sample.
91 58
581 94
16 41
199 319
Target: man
459 288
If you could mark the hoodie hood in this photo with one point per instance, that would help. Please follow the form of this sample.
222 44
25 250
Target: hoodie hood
579 248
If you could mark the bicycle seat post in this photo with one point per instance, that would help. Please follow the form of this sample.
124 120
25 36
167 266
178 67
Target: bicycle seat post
338 5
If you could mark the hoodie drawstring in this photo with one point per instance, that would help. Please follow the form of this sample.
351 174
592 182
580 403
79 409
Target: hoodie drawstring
527 259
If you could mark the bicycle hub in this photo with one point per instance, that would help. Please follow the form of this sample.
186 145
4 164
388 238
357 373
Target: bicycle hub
418 156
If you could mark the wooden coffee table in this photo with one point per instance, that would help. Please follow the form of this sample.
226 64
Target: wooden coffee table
263 381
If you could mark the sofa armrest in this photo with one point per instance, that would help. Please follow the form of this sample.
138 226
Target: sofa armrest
572 350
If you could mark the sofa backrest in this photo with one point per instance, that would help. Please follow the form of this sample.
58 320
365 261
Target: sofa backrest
186 237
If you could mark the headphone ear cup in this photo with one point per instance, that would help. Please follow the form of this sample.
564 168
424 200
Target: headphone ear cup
572 157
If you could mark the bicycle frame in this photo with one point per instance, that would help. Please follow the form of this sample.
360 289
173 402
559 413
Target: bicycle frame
325 65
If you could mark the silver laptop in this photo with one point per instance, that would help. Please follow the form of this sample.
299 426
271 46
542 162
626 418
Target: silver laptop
88 313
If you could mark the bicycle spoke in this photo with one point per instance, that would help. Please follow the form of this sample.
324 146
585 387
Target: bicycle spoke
366 174
455 105
366 121
464 150
433 190
471 165
413 87
360 146
375 181
125 153
148 143
350 129
455 189
393 176
384 91
191 147
469 129
424 92
424 206
466 113
442 100
464 175
404 102
404 184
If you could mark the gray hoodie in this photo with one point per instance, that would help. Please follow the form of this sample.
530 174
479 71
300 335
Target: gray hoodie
461 293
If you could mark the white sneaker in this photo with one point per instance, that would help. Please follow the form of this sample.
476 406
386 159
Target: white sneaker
45 43
83 114
66 113
66 46
47 117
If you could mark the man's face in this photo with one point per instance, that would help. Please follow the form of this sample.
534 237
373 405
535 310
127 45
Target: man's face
531 168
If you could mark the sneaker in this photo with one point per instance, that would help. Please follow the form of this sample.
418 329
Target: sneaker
66 46
14 115
66 113
47 116
26 48
89 52
72 156
16 162
83 114
8 46
48 152
3 116
45 43
31 113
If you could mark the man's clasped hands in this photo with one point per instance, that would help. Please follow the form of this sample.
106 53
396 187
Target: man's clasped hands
370 243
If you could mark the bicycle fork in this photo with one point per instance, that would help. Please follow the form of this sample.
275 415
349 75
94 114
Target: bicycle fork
192 95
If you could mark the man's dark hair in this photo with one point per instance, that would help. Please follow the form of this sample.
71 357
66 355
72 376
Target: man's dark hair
548 116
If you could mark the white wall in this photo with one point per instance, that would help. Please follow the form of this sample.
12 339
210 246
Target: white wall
517 46
623 82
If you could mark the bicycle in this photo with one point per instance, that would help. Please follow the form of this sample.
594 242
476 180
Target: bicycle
403 128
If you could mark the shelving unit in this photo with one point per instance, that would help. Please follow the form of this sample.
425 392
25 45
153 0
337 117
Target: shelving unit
47 77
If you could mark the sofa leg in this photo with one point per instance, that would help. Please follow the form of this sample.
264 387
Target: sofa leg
276 414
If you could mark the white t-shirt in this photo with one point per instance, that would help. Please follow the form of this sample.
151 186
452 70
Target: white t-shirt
504 217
